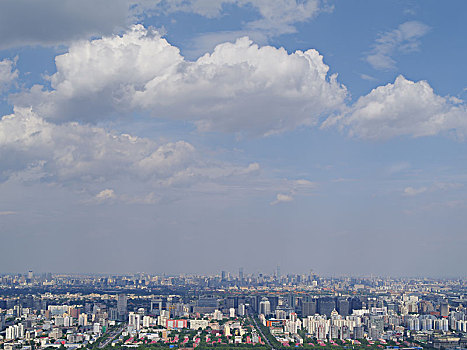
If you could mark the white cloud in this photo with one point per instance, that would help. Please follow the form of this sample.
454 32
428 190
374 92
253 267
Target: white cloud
410 191
85 157
404 39
276 17
8 74
435 187
403 108
367 77
240 87
302 183
53 22
35 23
292 188
71 151
279 17
281 197
105 195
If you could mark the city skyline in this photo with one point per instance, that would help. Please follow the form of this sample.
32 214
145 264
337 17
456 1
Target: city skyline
201 136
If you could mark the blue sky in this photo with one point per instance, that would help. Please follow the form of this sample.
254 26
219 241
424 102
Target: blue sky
324 135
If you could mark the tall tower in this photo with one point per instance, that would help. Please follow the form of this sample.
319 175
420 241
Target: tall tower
240 274
122 307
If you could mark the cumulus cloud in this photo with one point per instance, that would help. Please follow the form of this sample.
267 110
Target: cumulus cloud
274 18
404 39
71 151
8 74
281 197
239 87
35 150
404 108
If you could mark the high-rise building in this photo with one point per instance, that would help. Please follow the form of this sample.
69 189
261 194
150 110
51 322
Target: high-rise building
132 320
241 310
444 309
309 307
240 274
156 306
265 307
122 307
83 320
326 305
343 306
358 332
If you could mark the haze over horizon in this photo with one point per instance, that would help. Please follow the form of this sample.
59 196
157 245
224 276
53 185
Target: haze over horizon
199 136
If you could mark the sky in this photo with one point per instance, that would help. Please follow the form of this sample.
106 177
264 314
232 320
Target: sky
195 136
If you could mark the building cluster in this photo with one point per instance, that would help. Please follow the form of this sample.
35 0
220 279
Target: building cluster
79 310
193 329
391 317
31 322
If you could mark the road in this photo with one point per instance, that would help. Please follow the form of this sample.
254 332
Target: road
112 336
259 330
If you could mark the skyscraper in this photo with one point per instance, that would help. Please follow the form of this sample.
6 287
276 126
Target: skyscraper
326 305
343 306
122 305
265 307
309 307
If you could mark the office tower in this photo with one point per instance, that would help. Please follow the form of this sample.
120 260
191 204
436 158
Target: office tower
156 306
274 302
343 306
30 275
358 332
355 304
309 307
83 320
265 307
291 300
122 305
132 319
241 310
444 309
231 301
278 273
326 305
240 274
113 314
223 275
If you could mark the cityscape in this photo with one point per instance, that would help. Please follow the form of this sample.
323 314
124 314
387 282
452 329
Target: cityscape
233 174
230 310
